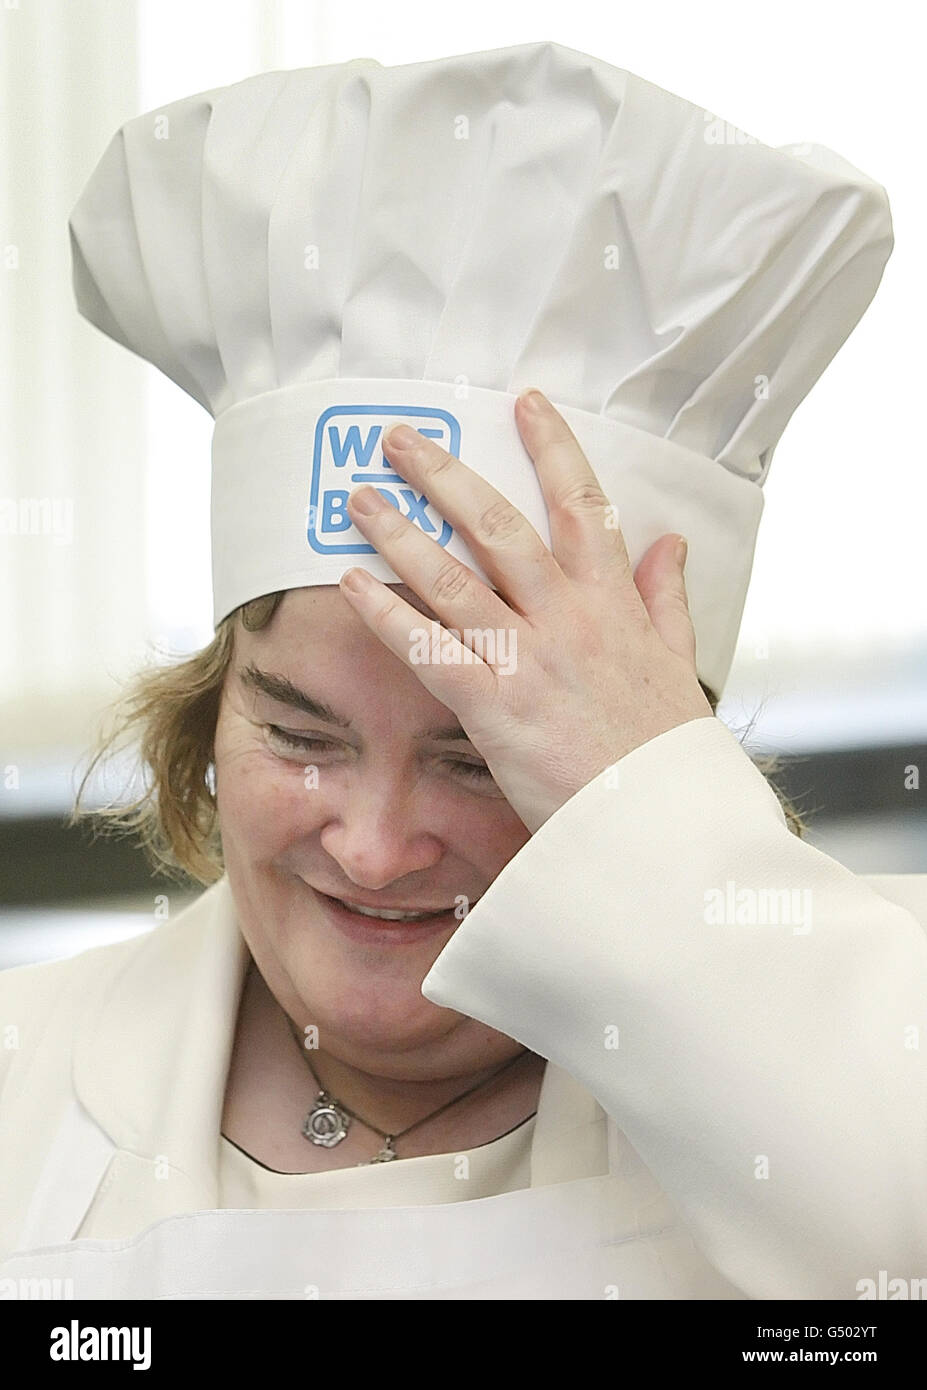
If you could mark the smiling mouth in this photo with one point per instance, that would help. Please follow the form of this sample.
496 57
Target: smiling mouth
389 914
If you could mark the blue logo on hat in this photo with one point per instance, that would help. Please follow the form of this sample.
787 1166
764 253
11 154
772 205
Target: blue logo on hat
348 452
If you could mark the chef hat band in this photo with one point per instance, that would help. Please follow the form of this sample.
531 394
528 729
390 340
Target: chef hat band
317 254
324 438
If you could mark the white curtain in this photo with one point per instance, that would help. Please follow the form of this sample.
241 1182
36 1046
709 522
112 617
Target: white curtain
72 418
91 517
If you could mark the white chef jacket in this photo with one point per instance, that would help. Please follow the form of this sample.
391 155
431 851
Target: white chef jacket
729 1110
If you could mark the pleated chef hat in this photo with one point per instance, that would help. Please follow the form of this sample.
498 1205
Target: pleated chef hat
316 254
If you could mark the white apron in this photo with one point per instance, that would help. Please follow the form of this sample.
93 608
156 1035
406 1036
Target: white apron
594 1238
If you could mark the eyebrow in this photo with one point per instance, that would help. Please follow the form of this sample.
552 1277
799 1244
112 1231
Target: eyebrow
282 689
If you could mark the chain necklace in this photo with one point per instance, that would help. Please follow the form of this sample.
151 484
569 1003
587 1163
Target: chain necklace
329 1120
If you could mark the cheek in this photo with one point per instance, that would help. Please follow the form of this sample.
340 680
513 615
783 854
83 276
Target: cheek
263 803
486 832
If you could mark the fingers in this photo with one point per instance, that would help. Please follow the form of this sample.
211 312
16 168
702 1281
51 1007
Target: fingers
451 671
586 538
507 546
660 581
449 587
588 545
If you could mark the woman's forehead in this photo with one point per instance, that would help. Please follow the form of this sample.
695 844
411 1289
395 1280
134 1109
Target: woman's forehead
316 644
315 629
326 602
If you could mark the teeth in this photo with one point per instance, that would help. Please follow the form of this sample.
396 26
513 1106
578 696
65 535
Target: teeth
385 913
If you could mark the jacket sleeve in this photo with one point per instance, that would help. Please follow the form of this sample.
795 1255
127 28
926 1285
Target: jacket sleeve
747 1009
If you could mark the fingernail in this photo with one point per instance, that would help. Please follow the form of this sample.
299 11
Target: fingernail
366 500
682 549
533 399
401 437
356 579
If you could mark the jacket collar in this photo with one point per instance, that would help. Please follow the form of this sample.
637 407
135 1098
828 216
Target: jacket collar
151 1058
153 1052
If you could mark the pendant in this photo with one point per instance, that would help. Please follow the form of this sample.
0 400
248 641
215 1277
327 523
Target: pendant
386 1153
326 1124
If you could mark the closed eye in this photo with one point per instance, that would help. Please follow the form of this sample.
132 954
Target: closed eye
303 741
470 771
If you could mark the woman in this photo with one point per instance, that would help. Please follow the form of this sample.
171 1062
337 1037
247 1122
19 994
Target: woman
417 820
633 1038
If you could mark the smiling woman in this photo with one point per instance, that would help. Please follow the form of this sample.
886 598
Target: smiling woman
357 825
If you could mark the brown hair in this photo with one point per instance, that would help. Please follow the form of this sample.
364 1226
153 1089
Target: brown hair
170 712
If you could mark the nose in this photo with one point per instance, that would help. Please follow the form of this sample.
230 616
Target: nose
379 834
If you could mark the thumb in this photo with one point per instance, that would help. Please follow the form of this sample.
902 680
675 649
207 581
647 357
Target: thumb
660 580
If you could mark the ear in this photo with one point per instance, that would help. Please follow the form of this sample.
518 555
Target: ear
257 612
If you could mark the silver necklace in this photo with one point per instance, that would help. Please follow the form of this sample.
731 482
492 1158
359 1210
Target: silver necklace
329 1120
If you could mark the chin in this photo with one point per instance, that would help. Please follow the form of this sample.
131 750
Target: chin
363 1019
355 977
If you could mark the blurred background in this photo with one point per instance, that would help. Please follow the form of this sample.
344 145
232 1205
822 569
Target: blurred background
831 667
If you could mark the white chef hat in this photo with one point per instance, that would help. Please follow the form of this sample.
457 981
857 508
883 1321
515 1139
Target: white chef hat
316 254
